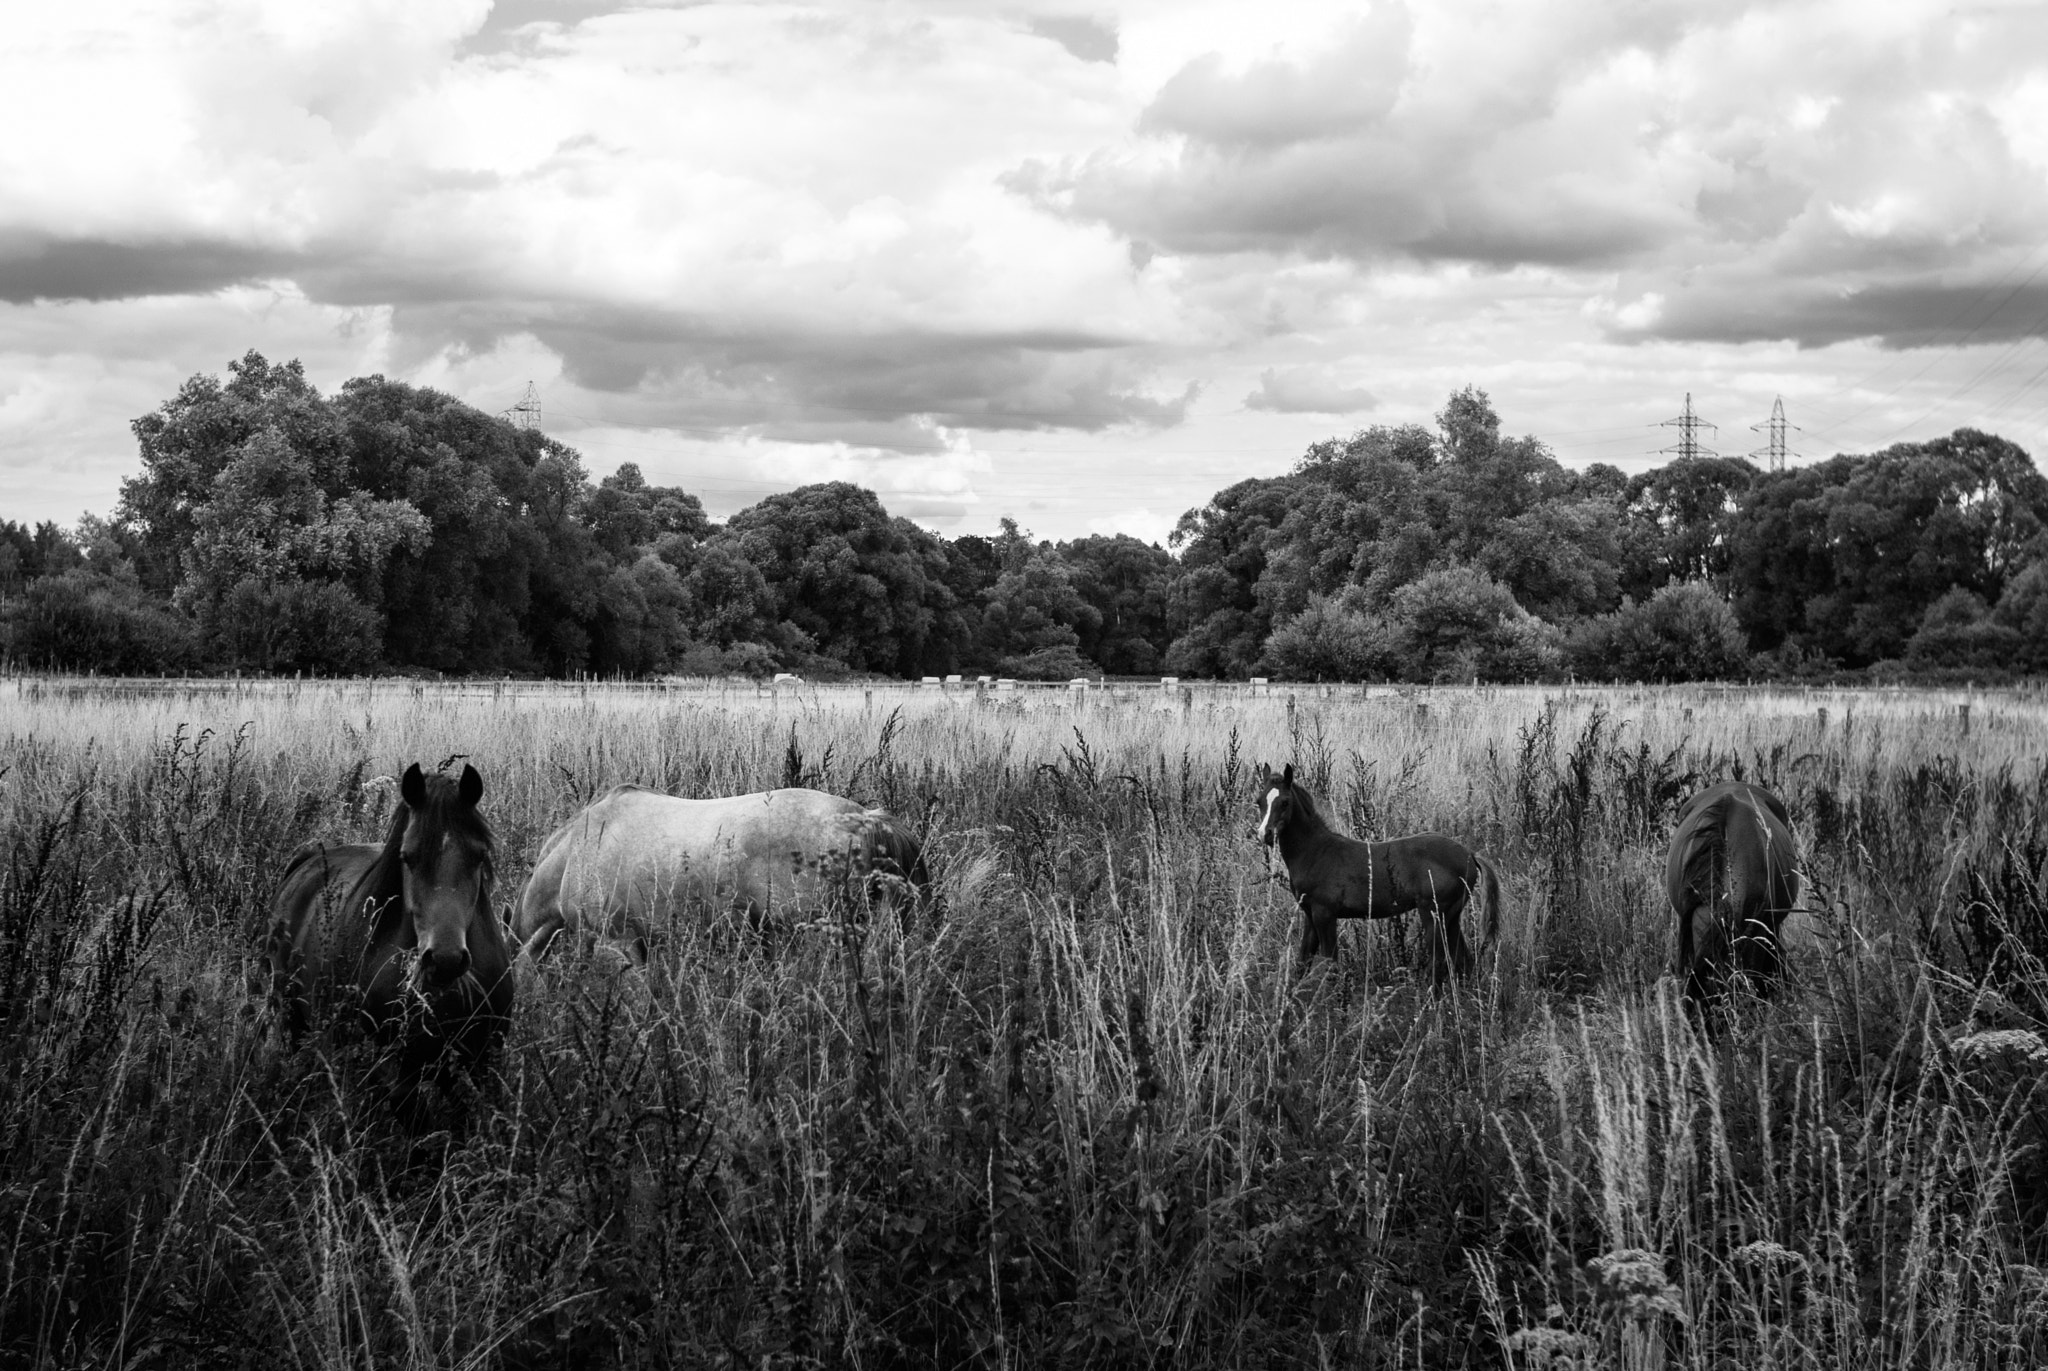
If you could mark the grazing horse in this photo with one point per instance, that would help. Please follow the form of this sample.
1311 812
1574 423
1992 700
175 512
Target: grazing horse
398 941
1334 877
636 857
1733 864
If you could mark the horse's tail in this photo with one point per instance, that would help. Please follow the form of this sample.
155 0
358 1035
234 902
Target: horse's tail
1490 892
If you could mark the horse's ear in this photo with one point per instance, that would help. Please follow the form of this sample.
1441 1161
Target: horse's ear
1264 772
472 787
413 788
1288 777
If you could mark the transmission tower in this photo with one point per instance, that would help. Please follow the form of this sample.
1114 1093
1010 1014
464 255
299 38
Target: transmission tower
1773 451
525 414
1688 425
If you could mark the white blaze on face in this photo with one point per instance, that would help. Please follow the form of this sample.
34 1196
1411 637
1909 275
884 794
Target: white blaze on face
1266 833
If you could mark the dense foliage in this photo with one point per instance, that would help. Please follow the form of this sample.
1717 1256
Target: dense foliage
274 529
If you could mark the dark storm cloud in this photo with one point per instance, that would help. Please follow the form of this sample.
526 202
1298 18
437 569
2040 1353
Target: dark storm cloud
811 385
36 267
1898 315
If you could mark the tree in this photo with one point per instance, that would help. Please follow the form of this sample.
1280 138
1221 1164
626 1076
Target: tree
1213 604
1033 608
1844 557
188 441
1684 516
869 590
1468 428
1124 581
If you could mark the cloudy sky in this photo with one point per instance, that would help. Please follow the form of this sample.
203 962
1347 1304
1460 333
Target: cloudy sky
1079 263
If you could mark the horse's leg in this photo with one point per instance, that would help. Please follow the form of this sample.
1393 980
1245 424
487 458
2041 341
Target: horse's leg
1440 921
1308 936
543 937
1758 957
1452 913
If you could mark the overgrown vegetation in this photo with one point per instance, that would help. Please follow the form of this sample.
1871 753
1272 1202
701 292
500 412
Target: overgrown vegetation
1088 1117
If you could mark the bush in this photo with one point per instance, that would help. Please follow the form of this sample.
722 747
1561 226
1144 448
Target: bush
1057 663
1686 632
1457 623
2023 608
1334 639
84 621
318 627
1958 631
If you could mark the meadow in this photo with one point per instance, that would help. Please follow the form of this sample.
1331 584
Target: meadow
1082 1114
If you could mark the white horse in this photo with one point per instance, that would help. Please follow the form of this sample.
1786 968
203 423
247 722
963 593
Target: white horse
636 858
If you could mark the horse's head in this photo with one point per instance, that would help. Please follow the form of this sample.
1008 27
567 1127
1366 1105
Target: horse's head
1276 801
446 851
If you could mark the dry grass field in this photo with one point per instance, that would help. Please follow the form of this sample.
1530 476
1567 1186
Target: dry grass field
1084 1114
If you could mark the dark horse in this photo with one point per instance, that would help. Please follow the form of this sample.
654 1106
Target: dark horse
1334 877
1732 862
398 942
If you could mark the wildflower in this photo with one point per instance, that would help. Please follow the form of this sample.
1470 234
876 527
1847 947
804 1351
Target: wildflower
1633 1281
2007 1044
1767 1258
1551 1349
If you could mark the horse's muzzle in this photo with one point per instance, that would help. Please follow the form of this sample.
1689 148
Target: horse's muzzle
443 969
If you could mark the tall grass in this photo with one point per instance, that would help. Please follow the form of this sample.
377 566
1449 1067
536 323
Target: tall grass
1087 1115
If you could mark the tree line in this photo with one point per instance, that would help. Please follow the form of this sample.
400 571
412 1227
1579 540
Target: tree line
390 527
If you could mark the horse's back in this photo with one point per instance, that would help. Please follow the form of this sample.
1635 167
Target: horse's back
310 932
317 877
634 853
1711 831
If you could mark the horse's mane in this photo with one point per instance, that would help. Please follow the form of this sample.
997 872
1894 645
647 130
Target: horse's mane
1706 842
1307 807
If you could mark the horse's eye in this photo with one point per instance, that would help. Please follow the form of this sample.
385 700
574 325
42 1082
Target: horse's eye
411 859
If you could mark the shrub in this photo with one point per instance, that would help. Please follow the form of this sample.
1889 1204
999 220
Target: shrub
1457 623
1958 631
318 627
1685 632
1056 663
83 621
1334 639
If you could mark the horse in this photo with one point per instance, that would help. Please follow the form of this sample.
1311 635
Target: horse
1734 860
637 857
398 941
1335 877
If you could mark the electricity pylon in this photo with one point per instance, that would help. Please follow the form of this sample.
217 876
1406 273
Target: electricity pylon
1688 425
525 414
1773 451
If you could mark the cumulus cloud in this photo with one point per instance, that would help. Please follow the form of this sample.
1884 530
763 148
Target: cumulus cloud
731 216
1307 390
1807 171
1037 228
